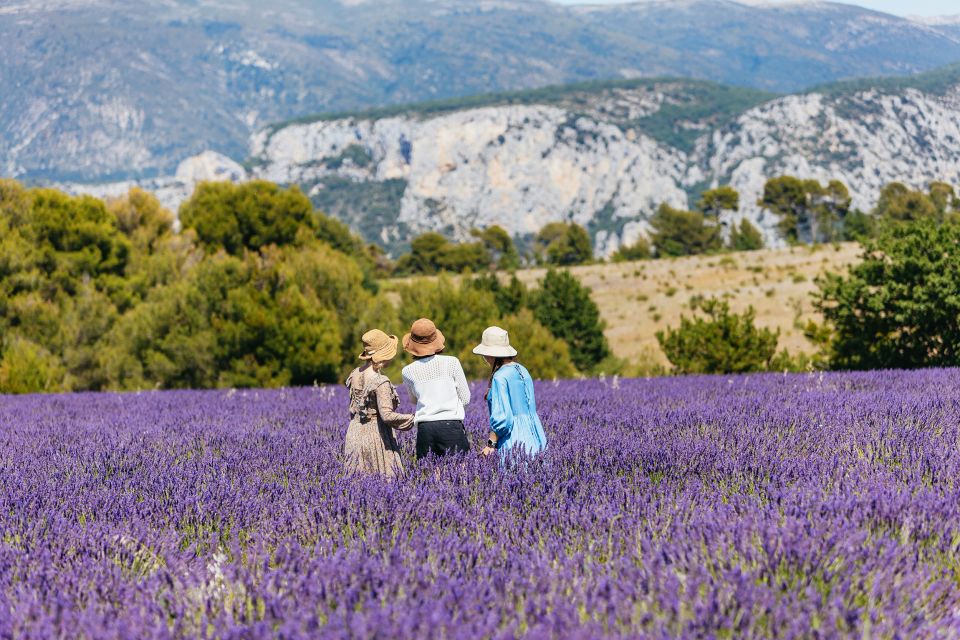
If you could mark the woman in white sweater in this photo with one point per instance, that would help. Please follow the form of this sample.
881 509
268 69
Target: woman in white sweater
439 387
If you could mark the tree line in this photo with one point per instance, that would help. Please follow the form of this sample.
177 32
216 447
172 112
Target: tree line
897 308
256 289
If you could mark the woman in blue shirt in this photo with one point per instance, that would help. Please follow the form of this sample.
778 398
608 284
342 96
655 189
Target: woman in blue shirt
514 423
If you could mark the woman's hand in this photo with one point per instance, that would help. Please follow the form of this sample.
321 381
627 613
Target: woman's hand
487 451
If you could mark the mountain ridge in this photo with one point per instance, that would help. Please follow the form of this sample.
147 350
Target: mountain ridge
101 89
603 154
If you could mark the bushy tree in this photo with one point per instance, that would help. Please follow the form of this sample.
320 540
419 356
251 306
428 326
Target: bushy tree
745 237
683 233
809 212
248 216
509 298
564 306
26 367
718 341
544 355
563 244
262 320
899 204
432 253
899 307
714 201
639 250
499 246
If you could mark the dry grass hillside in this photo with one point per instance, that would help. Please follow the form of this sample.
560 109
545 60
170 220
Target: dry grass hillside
637 299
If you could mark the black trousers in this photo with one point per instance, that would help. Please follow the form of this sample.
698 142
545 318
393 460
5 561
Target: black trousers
441 437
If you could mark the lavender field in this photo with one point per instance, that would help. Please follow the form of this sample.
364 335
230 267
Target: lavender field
766 507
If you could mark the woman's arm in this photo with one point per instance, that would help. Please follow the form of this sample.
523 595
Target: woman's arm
389 415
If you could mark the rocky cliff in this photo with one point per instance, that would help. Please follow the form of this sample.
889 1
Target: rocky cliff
602 155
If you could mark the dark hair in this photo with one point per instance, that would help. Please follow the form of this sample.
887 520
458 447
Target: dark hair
497 363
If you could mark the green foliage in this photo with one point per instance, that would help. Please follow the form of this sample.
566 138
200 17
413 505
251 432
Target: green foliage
510 298
264 320
564 306
714 201
500 247
26 367
745 237
719 342
248 216
433 253
859 226
683 233
563 244
545 356
899 204
639 250
98 296
898 308
809 212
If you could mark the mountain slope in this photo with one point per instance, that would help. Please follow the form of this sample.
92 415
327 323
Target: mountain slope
104 89
606 156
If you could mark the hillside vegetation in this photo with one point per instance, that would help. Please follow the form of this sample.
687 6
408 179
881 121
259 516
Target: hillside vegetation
637 299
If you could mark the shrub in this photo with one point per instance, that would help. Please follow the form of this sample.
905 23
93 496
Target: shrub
718 342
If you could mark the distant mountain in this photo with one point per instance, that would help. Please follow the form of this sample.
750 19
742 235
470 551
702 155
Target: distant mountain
602 154
106 89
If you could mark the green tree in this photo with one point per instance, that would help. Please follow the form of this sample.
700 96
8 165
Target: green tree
26 367
899 204
859 226
718 342
715 201
499 246
898 307
809 212
745 237
639 250
564 306
563 244
544 355
510 298
248 216
683 233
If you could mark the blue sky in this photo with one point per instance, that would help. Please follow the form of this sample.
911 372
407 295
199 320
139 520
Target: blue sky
899 7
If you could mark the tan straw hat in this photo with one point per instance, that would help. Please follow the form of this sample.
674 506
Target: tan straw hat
496 343
424 339
378 347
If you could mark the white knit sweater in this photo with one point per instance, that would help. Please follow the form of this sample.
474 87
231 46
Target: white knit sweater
438 386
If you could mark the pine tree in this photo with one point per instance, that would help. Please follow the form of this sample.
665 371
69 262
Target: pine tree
564 306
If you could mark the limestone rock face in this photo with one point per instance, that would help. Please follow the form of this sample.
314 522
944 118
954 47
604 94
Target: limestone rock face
524 166
604 159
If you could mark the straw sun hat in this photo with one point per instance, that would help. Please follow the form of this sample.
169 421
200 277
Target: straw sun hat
424 339
496 343
378 347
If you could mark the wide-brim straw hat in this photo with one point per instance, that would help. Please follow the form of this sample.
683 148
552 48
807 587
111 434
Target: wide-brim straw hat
495 343
378 347
424 339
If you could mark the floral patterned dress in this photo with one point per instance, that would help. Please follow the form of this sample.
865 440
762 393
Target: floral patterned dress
370 445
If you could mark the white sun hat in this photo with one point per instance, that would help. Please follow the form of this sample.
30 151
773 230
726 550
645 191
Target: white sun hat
496 343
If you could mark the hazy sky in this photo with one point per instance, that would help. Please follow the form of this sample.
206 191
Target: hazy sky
899 7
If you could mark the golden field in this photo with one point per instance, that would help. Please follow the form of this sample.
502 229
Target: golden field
637 299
